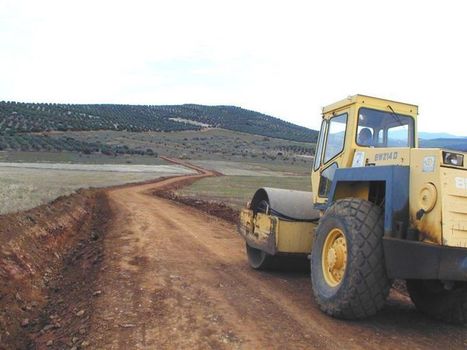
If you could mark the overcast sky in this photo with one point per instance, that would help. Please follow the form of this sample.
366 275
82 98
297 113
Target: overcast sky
284 58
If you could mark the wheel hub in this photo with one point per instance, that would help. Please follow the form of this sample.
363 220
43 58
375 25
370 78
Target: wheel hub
334 257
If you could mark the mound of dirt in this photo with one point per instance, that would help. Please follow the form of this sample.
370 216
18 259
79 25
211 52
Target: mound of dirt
35 247
218 209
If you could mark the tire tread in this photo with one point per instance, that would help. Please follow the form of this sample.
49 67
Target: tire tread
368 286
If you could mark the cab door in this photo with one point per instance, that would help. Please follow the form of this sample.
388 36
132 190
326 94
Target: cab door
329 152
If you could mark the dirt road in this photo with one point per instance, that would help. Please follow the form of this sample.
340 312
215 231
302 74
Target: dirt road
173 277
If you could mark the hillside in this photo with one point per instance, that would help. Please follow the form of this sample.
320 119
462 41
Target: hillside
18 117
459 143
438 135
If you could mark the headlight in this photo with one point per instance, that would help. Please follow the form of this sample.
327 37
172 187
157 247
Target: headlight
450 158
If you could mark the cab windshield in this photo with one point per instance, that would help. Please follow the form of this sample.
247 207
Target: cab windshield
384 129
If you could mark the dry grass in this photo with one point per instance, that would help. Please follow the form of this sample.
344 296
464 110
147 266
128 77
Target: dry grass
235 191
23 188
233 168
244 178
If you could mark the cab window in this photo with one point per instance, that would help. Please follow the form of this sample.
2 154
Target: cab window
384 129
336 136
319 150
398 136
325 180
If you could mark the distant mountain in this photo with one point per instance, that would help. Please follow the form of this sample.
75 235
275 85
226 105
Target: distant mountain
459 144
430 140
437 135
18 117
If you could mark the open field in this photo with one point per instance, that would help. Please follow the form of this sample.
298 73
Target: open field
256 168
244 178
79 158
29 179
211 144
228 152
26 185
235 191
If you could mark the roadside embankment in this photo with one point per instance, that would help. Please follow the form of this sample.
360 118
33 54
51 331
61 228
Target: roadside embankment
35 248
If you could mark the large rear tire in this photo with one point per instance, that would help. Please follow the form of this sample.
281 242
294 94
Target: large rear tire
433 299
347 261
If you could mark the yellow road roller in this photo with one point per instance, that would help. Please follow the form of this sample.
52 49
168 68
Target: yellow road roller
380 209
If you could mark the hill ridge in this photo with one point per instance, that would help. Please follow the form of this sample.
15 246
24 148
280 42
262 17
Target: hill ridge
24 117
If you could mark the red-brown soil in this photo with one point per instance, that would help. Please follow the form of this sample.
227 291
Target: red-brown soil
136 271
36 250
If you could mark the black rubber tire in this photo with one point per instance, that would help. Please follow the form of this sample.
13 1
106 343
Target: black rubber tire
431 298
364 286
260 260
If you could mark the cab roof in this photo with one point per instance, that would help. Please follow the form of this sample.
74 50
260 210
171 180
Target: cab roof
373 102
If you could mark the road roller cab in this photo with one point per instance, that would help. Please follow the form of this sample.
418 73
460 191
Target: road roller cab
380 208
357 132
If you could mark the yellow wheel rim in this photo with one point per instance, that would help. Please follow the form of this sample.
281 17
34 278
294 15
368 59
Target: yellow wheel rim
334 258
